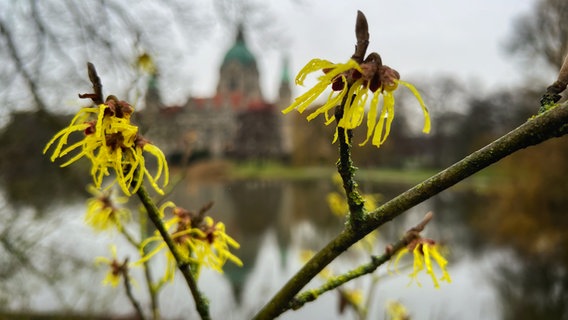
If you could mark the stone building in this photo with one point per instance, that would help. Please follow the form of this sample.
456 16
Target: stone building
237 122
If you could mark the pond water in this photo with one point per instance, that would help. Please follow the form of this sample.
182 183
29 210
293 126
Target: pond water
47 257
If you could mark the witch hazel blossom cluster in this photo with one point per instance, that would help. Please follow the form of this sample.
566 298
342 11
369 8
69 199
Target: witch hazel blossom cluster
112 144
352 83
104 135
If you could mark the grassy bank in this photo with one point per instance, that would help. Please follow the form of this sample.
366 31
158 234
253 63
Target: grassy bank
223 170
386 175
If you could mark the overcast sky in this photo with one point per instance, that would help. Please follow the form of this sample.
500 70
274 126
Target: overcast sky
418 38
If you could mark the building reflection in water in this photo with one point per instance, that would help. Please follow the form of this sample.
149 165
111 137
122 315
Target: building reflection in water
274 220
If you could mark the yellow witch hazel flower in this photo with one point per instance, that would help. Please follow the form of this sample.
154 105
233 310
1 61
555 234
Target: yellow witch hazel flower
397 311
102 212
351 85
424 251
116 268
146 63
198 238
110 141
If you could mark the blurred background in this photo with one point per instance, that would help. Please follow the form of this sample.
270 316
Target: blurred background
208 80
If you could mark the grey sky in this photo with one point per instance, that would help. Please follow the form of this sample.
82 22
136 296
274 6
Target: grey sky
420 39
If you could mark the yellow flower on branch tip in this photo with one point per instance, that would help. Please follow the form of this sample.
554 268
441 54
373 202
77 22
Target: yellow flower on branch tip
350 298
199 240
146 63
397 311
354 83
111 143
116 269
102 212
424 251
354 296
214 248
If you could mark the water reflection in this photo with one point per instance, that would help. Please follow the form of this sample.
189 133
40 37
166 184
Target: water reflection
274 221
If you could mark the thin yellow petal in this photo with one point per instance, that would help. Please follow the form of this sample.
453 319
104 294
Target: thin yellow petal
332 102
426 128
302 102
63 135
163 207
355 106
428 262
305 100
401 253
384 124
372 116
377 136
310 67
161 160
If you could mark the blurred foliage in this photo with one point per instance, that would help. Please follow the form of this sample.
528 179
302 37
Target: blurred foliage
542 33
44 45
530 211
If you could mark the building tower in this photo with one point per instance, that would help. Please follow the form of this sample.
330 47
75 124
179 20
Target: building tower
284 100
153 96
239 86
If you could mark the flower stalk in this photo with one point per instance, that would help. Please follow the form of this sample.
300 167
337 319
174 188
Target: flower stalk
352 84
345 165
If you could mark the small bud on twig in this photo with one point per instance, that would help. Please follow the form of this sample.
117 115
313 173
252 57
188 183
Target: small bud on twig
97 95
362 35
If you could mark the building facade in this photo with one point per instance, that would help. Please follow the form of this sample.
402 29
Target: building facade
237 122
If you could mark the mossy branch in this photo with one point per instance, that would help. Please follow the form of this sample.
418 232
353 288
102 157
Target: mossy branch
550 124
346 170
201 303
345 166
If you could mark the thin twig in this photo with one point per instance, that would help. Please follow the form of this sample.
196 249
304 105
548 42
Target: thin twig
152 288
128 288
21 67
334 282
376 261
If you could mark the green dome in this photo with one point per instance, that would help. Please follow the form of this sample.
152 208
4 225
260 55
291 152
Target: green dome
239 52
285 78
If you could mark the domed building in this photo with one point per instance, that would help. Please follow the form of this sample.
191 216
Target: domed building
237 122
239 77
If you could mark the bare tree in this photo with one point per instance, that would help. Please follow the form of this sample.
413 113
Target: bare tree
44 44
542 34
